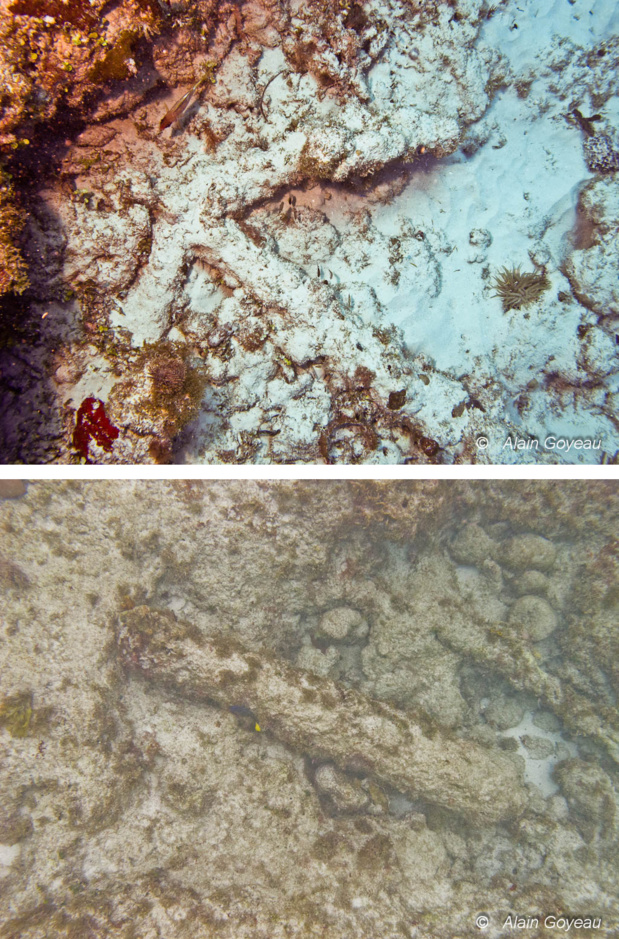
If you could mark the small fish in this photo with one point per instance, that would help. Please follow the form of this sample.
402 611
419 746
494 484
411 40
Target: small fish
177 109
246 716
241 711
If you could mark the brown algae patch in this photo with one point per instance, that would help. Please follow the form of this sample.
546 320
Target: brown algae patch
16 714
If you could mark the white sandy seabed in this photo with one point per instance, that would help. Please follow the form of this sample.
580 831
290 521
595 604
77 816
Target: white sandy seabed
417 250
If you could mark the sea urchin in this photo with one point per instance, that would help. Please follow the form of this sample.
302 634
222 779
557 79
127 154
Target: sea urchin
517 289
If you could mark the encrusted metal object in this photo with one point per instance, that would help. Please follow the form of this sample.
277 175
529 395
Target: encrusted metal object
323 719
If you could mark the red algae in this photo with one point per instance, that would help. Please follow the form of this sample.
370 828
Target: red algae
93 424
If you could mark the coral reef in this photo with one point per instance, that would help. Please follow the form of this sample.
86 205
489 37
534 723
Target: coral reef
591 265
55 54
57 59
124 230
13 270
533 616
600 154
161 392
312 199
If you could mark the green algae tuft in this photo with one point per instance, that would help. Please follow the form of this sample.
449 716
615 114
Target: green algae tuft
16 714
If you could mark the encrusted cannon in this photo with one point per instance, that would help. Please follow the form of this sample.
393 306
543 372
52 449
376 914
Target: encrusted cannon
323 719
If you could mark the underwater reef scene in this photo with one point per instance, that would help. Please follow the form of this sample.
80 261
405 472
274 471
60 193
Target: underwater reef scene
309 231
285 710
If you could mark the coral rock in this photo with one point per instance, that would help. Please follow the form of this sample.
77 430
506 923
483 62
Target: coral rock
600 155
338 623
534 616
529 552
